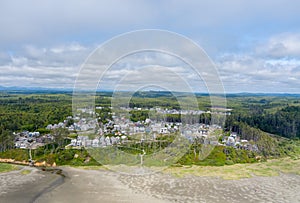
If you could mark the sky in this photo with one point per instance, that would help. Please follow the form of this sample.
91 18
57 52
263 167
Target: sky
255 45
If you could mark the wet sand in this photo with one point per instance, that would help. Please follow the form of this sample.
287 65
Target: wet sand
94 186
16 186
107 186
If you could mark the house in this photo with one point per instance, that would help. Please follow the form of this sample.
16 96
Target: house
164 130
230 141
233 134
244 141
87 143
107 141
117 128
102 141
74 142
23 145
156 127
78 143
113 140
35 134
139 129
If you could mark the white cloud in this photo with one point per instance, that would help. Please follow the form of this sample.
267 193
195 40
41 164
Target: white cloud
74 47
169 78
70 54
48 20
250 72
43 67
37 76
47 41
286 45
34 52
19 61
56 21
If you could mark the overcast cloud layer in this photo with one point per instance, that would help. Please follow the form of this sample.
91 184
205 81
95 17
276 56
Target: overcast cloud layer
255 45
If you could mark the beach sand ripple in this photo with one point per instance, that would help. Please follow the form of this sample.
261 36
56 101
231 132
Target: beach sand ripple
106 186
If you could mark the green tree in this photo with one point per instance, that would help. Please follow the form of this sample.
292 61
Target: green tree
60 135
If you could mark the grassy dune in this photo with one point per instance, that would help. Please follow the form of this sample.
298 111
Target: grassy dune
89 167
270 168
25 172
7 167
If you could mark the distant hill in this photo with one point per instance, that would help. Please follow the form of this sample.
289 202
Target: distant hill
249 94
149 94
30 90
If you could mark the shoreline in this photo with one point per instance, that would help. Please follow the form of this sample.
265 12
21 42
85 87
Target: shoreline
107 186
83 185
17 187
102 185
57 181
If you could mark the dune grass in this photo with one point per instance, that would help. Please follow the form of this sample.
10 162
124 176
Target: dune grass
271 167
237 171
8 167
88 167
25 172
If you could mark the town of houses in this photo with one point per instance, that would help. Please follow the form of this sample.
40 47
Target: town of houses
119 129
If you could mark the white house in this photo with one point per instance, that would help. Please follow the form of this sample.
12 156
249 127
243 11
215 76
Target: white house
95 143
73 142
164 130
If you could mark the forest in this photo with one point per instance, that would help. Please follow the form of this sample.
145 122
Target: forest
277 115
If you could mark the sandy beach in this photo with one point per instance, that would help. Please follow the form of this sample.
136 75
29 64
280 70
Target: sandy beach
94 186
27 184
81 185
282 188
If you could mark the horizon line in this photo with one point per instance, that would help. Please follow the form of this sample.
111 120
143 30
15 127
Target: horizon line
49 89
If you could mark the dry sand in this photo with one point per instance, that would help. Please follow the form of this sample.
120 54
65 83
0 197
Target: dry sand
106 186
282 188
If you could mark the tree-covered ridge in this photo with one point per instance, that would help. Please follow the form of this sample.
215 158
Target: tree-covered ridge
30 112
33 112
284 121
